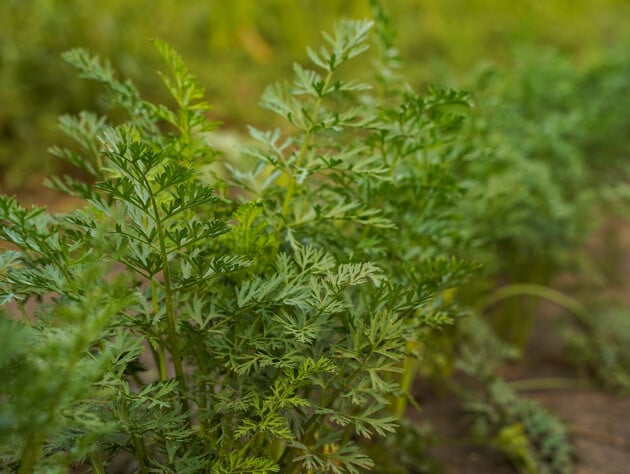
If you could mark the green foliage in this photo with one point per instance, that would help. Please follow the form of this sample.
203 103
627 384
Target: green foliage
277 307
268 312
531 196
533 439
405 451
534 185
602 346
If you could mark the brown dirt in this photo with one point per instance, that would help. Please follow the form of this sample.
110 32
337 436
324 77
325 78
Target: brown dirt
452 450
598 422
53 200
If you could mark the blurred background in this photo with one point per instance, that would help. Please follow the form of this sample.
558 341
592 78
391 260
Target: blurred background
237 47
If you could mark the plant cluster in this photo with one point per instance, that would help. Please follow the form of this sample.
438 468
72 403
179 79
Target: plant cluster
533 439
268 312
277 306
602 346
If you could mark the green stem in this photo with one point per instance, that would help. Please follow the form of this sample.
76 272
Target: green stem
170 309
31 453
277 448
160 361
202 405
304 148
537 291
409 372
158 354
97 464
20 305
141 452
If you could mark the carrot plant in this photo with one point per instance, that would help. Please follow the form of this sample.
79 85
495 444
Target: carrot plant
205 316
268 310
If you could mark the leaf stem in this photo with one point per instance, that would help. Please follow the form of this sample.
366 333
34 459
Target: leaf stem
96 463
25 315
168 298
304 148
158 353
141 452
409 371
31 453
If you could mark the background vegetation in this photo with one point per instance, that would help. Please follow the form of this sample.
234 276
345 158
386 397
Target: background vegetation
238 47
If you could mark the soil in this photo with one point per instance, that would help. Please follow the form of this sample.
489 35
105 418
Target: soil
598 422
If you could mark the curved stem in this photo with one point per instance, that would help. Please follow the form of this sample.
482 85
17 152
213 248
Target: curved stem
538 291
31 453
141 452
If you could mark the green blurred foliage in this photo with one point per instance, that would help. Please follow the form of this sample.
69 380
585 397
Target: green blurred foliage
239 46
549 149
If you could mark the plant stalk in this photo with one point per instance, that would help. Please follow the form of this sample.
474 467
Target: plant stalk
96 463
304 148
31 453
158 353
141 452
409 371
170 310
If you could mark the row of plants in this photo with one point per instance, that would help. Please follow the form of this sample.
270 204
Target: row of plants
268 311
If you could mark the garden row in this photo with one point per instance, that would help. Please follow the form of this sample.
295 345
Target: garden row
268 312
